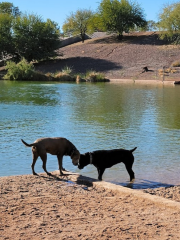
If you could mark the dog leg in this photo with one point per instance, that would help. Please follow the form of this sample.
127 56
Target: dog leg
44 159
100 173
131 173
60 158
35 157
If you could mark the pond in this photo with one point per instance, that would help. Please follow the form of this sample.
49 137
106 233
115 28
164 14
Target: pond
94 117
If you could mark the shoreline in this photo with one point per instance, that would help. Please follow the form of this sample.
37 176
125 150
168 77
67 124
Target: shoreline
117 80
153 194
146 81
77 207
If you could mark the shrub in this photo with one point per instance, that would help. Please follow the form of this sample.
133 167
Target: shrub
65 75
176 64
67 70
20 71
62 76
93 76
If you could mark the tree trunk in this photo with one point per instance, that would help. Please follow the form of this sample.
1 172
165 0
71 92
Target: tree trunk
120 36
82 37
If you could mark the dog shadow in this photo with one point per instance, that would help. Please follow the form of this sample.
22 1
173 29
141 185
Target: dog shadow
143 184
74 178
66 178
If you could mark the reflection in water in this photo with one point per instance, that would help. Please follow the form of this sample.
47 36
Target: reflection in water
94 116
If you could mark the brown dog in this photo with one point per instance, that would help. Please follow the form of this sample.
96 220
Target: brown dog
56 146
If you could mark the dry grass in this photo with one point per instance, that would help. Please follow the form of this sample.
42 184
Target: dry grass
166 71
62 76
176 64
94 76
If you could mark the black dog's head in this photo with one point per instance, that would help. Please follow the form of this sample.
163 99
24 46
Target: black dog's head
83 160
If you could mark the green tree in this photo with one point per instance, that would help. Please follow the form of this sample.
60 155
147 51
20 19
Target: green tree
78 23
120 16
9 8
6 41
169 22
35 39
7 12
151 25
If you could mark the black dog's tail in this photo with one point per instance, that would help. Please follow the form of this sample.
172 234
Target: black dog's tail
133 149
28 145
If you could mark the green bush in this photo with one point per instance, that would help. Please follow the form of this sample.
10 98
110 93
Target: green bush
20 71
93 76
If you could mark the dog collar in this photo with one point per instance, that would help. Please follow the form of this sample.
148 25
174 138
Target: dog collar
91 158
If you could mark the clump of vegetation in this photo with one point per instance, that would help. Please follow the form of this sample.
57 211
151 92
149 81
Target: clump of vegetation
169 23
80 78
166 71
24 71
65 75
176 64
67 70
20 71
93 76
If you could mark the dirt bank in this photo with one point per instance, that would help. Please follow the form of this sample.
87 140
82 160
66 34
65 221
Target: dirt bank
120 59
41 207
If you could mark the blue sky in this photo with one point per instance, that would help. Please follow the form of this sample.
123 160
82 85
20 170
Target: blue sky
58 10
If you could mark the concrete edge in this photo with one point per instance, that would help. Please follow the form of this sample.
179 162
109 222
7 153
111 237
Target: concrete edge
142 81
163 202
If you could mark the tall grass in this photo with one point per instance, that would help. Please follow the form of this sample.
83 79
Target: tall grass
93 76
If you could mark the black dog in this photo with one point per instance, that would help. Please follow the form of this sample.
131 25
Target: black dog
103 159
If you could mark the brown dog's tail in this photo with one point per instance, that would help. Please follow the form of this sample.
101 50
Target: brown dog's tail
133 149
28 145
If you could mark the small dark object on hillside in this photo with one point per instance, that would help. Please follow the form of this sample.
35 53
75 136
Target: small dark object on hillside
145 69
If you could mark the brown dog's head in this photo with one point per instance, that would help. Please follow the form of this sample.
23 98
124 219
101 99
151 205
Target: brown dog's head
75 157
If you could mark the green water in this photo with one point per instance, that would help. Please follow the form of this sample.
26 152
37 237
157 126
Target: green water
93 117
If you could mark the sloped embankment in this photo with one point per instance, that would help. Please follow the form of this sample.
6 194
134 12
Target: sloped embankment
120 60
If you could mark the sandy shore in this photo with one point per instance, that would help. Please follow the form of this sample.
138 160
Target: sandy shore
73 207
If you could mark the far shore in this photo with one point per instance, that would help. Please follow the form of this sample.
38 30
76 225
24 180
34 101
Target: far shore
149 81
141 81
